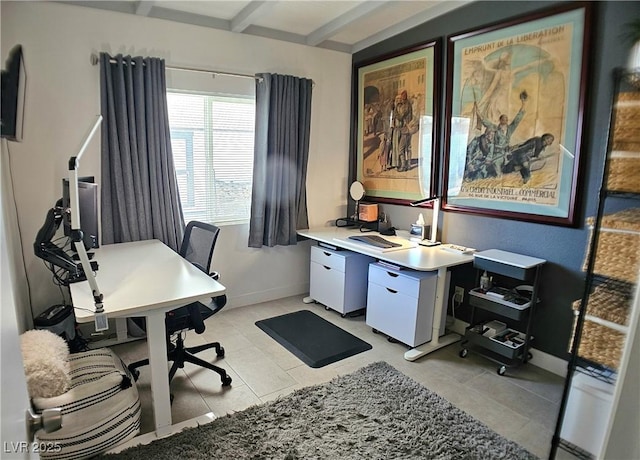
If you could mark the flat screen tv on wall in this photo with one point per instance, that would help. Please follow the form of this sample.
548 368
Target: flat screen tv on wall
14 80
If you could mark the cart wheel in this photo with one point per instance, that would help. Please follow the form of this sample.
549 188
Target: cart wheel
391 340
327 308
502 370
463 353
343 315
374 330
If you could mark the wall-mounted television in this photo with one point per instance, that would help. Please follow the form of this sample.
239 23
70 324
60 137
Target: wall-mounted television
14 81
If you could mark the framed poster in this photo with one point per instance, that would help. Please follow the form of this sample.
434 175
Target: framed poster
514 114
396 118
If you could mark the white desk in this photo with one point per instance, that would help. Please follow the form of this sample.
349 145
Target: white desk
145 278
419 258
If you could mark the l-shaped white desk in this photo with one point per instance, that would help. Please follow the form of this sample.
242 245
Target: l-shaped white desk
420 258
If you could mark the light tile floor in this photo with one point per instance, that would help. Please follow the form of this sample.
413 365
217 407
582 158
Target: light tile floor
522 405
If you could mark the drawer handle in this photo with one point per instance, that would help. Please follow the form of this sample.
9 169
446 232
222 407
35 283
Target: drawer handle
326 268
394 275
328 254
392 291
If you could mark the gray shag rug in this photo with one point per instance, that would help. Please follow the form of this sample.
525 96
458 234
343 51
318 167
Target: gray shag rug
373 413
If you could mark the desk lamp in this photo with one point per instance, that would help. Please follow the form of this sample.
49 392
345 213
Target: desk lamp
434 223
101 321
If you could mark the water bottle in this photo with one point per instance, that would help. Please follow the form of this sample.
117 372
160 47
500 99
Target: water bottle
485 281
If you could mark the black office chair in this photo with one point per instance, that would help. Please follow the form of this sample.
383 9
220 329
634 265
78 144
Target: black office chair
197 247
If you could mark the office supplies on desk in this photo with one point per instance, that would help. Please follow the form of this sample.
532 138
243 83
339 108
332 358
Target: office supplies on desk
457 249
368 212
432 241
419 231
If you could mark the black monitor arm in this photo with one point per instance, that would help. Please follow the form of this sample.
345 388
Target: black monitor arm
45 249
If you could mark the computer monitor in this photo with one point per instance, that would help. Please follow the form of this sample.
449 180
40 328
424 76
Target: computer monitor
88 201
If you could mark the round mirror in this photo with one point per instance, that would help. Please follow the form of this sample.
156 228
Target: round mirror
356 191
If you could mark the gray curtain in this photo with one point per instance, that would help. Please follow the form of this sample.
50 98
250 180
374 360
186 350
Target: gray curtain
283 123
139 189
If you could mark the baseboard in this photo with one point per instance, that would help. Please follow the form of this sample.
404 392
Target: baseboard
540 359
267 295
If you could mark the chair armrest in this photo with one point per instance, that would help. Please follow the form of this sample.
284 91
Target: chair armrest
196 317
214 275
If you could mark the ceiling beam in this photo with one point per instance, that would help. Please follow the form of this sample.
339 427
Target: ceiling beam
245 18
439 9
144 7
343 21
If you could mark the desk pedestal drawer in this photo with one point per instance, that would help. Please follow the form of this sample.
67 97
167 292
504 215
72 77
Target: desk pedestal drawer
407 314
338 279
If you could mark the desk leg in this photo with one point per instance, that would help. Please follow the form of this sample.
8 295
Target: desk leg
439 309
160 396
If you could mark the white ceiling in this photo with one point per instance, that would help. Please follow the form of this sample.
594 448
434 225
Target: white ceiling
347 26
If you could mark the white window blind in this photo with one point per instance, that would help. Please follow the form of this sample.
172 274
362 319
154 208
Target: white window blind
212 138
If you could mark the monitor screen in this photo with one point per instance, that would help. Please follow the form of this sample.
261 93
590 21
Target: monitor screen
88 201
13 96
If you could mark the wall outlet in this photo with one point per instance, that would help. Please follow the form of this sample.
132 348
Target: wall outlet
458 294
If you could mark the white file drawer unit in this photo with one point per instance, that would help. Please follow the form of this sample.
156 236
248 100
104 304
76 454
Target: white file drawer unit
401 302
338 279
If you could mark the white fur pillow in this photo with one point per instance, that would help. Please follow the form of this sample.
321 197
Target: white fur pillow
46 365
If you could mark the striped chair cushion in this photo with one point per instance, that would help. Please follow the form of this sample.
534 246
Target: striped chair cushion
100 410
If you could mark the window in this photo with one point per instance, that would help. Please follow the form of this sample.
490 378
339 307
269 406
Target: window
212 140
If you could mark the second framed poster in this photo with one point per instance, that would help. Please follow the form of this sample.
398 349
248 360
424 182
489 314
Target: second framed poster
395 125
515 108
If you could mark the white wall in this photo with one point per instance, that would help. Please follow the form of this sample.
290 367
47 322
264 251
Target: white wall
63 97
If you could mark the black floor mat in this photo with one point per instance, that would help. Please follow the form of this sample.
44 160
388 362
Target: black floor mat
316 341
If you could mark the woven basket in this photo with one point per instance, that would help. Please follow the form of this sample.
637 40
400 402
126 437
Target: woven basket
624 168
618 249
609 300
624 161
600 344
627 117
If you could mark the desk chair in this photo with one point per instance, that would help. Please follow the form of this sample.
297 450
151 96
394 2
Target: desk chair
197 247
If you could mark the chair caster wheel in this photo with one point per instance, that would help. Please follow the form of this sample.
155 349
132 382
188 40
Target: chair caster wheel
463 353
226 381
220 352
135 373
502 370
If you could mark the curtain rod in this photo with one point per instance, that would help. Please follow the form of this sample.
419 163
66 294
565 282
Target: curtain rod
95 60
